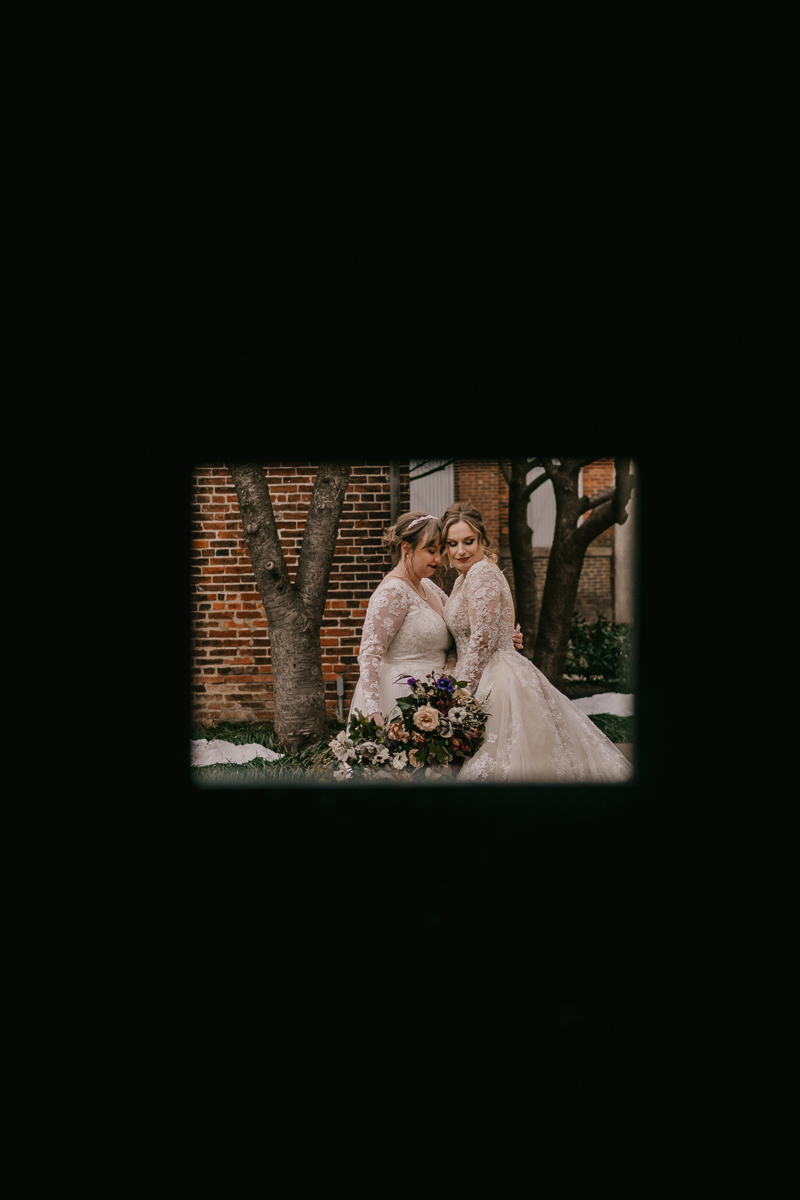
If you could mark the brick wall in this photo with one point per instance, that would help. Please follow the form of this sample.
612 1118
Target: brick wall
480 480
596 587
231 663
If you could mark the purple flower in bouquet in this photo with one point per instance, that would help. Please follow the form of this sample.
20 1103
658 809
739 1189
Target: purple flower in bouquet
439 723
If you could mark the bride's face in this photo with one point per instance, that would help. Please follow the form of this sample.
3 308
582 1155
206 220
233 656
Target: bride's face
422 563
463 546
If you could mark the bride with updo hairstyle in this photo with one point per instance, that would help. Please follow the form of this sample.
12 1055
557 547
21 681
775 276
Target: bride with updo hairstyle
404 632
465 510
534 733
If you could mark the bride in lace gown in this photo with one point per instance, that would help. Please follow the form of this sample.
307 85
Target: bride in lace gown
534 733
404 628
404 633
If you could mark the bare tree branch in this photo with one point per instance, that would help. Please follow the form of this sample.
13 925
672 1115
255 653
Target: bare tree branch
625 484
263 544
600 498
532 464
319 536
547 464
433 470
612 511
601 519
535 483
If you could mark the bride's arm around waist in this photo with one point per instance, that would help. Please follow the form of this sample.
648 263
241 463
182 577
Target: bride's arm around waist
485 590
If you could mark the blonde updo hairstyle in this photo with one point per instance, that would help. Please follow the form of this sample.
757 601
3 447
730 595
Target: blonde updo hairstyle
426 532
465 510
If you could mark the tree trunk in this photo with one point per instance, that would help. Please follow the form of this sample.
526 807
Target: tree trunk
558 605
520 540
568 551
294 610
297 683
563 576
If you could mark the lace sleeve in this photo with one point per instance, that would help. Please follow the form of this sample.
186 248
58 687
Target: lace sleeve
485 604
386 612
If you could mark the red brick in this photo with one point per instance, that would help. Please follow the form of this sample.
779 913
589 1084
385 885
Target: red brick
359 565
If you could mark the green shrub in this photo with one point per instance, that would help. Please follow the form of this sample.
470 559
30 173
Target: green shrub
601 651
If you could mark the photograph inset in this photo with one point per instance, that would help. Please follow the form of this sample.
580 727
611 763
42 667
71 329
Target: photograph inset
433 621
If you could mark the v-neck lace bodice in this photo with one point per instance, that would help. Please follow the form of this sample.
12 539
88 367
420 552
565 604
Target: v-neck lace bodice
402 633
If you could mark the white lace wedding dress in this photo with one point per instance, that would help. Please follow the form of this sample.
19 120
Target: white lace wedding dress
534 733
402 636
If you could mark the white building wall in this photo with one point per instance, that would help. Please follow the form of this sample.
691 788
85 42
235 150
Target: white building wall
433 493
542 510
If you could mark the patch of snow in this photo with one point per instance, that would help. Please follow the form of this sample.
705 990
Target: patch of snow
618 704
204 753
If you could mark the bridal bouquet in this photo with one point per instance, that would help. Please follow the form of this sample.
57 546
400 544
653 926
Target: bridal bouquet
438 723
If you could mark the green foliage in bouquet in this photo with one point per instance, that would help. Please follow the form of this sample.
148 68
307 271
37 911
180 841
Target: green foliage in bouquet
439 723
600 651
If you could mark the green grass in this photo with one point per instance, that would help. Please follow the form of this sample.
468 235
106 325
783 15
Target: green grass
314 763
616 729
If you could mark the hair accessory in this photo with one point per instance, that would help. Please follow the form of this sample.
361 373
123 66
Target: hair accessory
429 517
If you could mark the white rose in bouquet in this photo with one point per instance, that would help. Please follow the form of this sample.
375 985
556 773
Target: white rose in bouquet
426 718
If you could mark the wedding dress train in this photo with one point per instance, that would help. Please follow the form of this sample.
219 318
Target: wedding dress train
534 733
